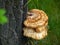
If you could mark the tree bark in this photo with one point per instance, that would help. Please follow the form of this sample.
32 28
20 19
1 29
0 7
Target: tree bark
11 33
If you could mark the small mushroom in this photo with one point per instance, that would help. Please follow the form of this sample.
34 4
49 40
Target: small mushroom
35 24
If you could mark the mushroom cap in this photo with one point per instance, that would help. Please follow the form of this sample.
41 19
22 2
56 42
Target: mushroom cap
29 32
37 18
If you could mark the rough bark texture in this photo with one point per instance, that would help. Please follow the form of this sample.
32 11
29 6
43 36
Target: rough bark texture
11 33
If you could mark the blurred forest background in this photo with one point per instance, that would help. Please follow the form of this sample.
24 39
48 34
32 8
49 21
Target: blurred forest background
52 8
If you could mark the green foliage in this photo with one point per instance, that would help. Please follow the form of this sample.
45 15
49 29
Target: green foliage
3 18
52 8
2 12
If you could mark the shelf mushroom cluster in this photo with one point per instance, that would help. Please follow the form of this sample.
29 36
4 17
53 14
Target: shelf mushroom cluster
36 24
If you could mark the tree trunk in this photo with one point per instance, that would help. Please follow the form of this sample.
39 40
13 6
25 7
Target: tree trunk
11 33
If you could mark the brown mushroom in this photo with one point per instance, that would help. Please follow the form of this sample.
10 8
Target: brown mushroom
38 18
36 23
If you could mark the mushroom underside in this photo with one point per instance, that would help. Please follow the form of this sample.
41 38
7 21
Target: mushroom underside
28 32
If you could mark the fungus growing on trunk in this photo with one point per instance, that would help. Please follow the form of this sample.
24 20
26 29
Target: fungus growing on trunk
35 24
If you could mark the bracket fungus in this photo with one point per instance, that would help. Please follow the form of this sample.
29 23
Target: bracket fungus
36 24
